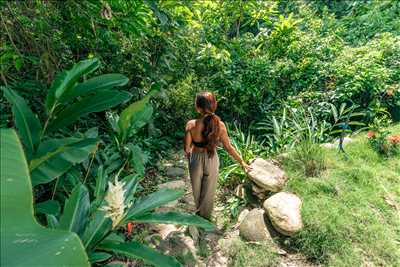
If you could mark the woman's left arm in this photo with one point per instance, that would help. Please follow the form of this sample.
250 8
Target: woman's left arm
230 149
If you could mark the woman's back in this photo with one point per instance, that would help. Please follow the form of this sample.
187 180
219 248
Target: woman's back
196 129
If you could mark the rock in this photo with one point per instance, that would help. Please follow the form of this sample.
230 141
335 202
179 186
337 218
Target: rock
267 175
259 192
217 260
172 184
188 200
239 191
177 184
256 189
253 227
346 140
174 172
281 251
261 196
164 229
180 246
242 215
283 209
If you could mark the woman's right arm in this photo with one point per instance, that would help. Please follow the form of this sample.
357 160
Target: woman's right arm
187 143
230 149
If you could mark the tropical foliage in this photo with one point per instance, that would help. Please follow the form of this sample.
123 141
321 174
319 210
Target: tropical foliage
98 92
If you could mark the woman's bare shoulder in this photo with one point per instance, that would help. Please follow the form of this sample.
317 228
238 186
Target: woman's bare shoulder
190 124
222 125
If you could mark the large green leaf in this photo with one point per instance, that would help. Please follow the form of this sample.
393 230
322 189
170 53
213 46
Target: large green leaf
52 221
136 115
97 229
174 218
56 156
23 241
153 201
137 158
130 184
67 80
51 207
27 123
137 250
99 256
99 102
76 210
101 181
102 82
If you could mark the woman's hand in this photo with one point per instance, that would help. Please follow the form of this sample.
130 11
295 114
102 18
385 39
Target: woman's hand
245 166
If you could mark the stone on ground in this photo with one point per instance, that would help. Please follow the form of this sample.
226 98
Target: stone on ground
177 184
259 192
283 209
173 184
267 175
346 140
180 246
175 172
240 191
217 260
164 230
242 215
253 227
256 189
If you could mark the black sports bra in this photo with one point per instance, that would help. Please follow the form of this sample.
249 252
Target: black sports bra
200 144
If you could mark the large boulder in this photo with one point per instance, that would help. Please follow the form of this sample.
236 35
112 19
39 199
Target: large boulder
283 209
267 175
253 227
242 215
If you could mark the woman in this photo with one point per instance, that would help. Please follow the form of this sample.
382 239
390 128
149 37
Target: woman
201 138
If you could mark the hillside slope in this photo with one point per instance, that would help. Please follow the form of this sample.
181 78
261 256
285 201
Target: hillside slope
352 211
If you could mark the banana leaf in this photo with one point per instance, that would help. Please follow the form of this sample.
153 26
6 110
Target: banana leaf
67 80
56 156
101 101
95 84
24 242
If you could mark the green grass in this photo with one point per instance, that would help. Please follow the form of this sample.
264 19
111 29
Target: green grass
243 254
348 220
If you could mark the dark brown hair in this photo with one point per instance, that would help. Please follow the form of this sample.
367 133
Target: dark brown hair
206 102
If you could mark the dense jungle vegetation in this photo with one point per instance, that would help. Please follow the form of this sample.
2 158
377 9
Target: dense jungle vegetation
98 94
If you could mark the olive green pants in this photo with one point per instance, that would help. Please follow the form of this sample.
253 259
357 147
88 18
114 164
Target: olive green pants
203 176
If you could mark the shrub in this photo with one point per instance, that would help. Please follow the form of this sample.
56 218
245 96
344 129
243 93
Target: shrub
178 104
380 139
309 157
